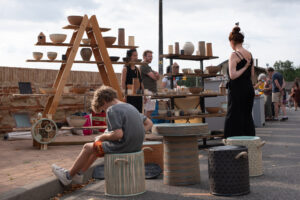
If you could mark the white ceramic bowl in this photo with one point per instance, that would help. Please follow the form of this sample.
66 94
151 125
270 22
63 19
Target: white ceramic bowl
57 38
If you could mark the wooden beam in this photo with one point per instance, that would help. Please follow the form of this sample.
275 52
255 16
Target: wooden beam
98 58
107 62
67 68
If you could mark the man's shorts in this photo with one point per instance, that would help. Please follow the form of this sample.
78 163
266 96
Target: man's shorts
98 148
276 97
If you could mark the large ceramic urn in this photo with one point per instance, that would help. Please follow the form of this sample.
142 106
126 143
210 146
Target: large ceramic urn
86 54
188 48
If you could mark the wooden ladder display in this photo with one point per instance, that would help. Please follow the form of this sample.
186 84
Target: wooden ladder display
104 64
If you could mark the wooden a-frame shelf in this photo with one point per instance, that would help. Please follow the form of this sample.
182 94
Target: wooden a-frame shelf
93 31
84 45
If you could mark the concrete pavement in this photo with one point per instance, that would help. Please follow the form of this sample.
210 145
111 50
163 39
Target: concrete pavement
281 179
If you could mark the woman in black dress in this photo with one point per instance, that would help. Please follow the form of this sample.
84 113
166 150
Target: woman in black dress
129 72
239 121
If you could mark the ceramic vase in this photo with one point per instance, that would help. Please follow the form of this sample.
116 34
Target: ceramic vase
86 54
188 48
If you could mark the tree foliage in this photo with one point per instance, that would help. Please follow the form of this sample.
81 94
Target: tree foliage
287 69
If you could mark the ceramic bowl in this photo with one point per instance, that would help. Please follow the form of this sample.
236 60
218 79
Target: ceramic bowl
212 110
37 55
114 58
86 41
195 90
198 71
213 69
51 55
57 38
75 20
76 121
109 40
186 70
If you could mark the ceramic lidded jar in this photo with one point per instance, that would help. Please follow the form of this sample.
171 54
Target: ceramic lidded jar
188 48
86 54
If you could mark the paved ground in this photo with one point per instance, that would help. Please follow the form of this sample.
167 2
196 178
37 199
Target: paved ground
21 165
281 179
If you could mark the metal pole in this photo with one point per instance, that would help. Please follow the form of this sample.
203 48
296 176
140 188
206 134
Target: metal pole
160 39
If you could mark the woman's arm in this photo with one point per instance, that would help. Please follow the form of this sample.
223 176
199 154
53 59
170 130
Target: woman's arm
123 77
233 73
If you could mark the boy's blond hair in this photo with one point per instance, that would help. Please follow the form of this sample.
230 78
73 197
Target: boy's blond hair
102 95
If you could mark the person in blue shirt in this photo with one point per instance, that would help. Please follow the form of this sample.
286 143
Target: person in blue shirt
278 88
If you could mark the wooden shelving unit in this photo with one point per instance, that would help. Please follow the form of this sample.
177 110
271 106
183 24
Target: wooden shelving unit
93 31
200 59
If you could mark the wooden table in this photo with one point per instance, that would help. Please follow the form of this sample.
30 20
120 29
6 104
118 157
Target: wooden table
181 162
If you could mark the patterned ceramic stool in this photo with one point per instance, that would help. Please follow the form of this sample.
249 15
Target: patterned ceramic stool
228 170
124 174
254 145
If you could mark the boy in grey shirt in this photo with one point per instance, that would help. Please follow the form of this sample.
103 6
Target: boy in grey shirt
126 130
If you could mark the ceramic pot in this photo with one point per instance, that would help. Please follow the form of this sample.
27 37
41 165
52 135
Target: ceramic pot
188 48
86 54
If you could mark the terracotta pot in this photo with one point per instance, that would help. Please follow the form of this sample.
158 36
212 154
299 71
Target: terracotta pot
86 54
188 48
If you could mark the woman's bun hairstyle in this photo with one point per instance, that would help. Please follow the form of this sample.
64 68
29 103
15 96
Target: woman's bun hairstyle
235 35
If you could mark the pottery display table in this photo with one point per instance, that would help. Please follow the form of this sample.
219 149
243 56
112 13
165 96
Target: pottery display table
181 162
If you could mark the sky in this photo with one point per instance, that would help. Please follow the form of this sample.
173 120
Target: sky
271 27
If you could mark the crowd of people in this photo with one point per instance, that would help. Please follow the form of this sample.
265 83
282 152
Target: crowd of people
273 86
127 125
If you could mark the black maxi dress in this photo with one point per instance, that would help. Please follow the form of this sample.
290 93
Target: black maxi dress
239 121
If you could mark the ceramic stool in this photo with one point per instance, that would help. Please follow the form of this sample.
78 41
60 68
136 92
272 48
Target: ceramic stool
254 145
228 170
124 174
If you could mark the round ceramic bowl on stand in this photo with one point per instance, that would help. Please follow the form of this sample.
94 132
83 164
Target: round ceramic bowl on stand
58 38
109 41
75 20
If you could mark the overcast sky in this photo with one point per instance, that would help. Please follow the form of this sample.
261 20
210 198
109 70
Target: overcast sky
271 27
